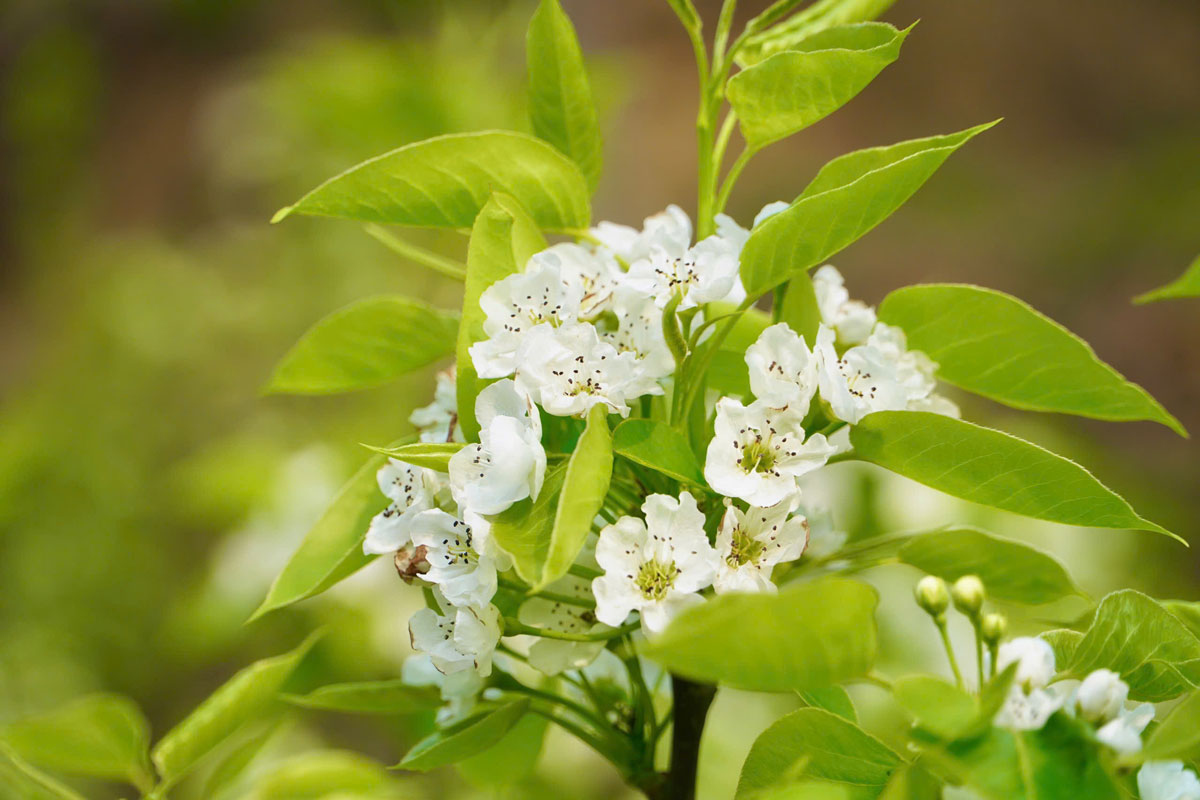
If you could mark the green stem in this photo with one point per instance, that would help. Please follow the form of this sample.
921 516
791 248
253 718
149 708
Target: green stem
978 650
600 745
579 709
513 627
426 258
731 177
945 634
556 597
580 571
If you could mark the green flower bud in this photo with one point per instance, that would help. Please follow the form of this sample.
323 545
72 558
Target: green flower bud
932 595
993 628
968 595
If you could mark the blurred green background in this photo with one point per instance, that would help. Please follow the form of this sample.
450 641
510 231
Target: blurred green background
149 493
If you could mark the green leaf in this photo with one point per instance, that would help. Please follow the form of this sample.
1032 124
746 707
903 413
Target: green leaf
370 697
236 755
849 196
939 707
431 455
1186 285
525 529
1144 643
503 239
807 636
1178 735
465 739
800 310
511 759
365 344
658 446
585 485
833 699
808 790
793 89
319 774
992 468
446 180
912 782
812 20
104 735
27 782
995 345
1063 642
1188 613
332 549
560 97
242 698
821 745
1010 570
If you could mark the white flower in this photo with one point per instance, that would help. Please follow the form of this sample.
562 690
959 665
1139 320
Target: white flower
750 543
509 462
590 275
552 656
464 577
1124 733
1034 658
1167 780
517 304
669 230
568 369
699 275
783 371
460 690
438 421
863 380
639 331
824 538
1027 711
758 452
458 639
411 490
851 319
654 566
1101 696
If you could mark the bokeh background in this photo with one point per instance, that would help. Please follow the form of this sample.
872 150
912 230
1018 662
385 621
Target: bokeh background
149 493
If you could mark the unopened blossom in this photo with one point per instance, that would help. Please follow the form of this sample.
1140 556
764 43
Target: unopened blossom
509 462
850 319
1101 696
639 331
861 381
552 656
1167 780
1124 732
757 452
455 565
438 421
655 566
411 491
587 274
569 369
457 639
1034 658
750 543
783 371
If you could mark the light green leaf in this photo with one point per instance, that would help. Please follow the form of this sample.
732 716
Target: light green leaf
511 759
848 197
365 344
465 739
800 310
319 773
1010 570
370 697
332 549
833 699
912 782
992 468
939 707
1186 285
585 485
1188 613
560 97
446 180
820 745
793 89
1141 641
1063 642
236 754
815 18
503 239
1178 735
431 455
525 529
104 735
809 790
244 697
995 345
658 446
807 636
27 782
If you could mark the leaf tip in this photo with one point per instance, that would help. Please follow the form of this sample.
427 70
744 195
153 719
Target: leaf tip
282 214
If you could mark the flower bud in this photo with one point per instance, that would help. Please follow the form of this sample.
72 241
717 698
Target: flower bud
410 562
968 595
932 595
1102 695
993 627
1034 658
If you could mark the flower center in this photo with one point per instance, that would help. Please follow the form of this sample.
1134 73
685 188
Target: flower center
656 578
757 455
743 549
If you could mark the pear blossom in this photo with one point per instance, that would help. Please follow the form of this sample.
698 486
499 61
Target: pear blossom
1027 710
438 421
1101 696
1124 732
914 370
639 331
824 538
509 462
654 566
668 230
699 275
783 371
750 543
411 490
552 656
587 274
460 690
569 369
861 381
1167 780
850 319
455 566
757 452
457 639
1034 658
